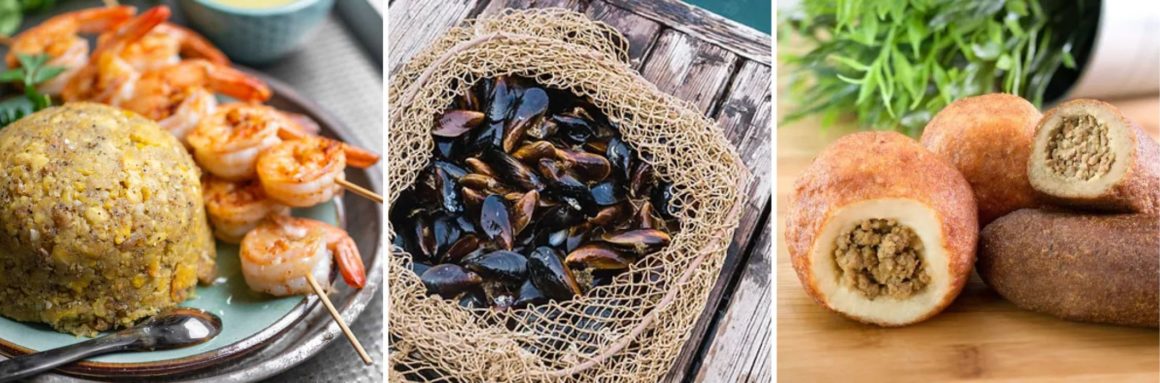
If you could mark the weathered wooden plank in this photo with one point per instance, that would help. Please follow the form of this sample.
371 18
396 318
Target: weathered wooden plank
746 118
415 24
740 347
641 32
746 115
496 6
707 26
689 68
575 5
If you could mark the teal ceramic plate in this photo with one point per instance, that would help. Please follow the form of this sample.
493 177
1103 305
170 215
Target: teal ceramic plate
249 320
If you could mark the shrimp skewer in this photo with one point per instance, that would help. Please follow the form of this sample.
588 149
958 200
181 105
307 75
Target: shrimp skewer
281 251
227 143
60 38
355 156
307 171
288 256
236 208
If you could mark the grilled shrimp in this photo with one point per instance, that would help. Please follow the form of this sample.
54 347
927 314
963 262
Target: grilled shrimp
167 44
60 38
278 254
180 95
107 78
227 143
235 208
302 172
306 127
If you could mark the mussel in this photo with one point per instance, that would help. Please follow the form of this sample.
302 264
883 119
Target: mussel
449 280
495 222
549 274
598 256
501 264
532 195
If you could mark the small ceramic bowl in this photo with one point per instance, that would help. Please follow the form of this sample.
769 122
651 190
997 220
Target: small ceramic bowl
255 36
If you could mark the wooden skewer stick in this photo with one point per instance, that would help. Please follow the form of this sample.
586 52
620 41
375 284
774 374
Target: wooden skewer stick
338 318
360 190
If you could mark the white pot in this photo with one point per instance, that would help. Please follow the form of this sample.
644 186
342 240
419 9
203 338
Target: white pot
1125 59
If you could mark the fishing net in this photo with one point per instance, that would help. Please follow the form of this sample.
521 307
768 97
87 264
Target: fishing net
631 329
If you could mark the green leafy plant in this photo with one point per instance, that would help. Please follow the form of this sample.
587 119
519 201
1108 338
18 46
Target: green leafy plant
33 71
12 13
897 63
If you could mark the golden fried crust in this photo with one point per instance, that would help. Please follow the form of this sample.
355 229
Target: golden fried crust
988 139
1090 268
874 165
1138 191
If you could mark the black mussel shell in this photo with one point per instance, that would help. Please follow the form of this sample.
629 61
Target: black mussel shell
577 235
466 244
558 238
424 239
607 193
645 219
448 192
449 280
501 264
558 217
611 215
640 183
549 274
532 105
598 256
450 148
530 295
532 152
478 166
661 199
511 170
455 123
455 171
488 135
640 241
472 199
419 267
501 101
473 299
523 210
620 155
565 188
482 92
588 167
574 129
447 232
495 222
603 277
466 225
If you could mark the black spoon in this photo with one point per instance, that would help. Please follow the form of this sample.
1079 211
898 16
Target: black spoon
173 328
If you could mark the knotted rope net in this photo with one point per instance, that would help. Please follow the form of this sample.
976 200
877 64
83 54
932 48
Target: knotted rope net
632 329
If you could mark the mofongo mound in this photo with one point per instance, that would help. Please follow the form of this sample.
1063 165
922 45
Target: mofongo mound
102 219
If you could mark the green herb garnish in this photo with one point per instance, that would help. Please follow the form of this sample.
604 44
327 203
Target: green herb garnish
33 71
897 63
12 13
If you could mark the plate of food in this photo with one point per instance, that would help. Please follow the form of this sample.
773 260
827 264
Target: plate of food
165 177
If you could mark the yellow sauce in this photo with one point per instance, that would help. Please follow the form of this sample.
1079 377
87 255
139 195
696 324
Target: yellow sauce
255 4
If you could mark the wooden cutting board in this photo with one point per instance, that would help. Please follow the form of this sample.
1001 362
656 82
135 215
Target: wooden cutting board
980 337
